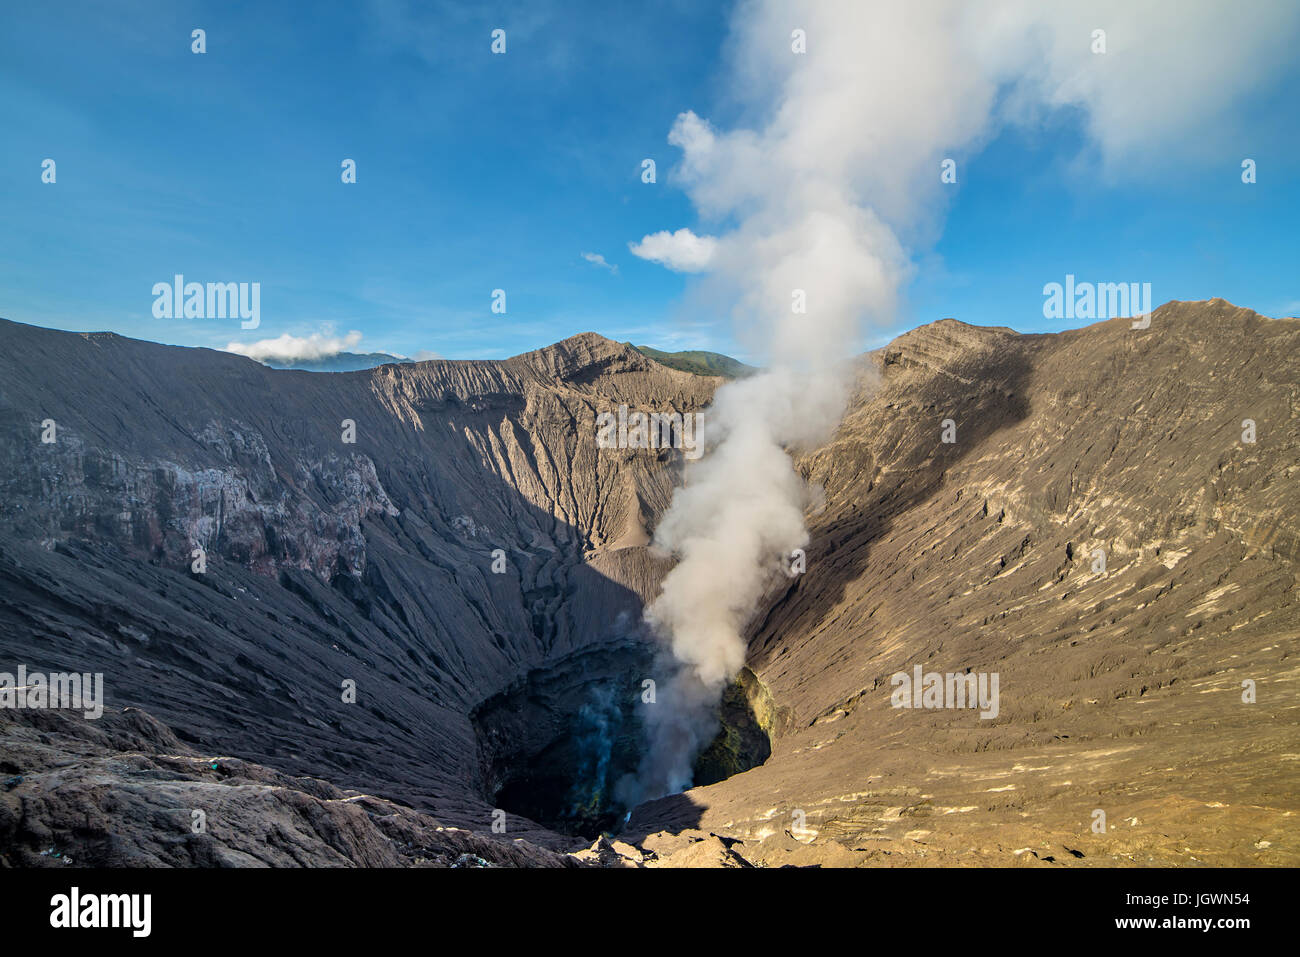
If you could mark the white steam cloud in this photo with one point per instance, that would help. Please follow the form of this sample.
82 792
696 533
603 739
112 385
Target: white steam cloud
287 348
822 196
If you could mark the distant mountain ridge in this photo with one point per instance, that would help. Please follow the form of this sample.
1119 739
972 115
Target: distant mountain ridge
339 362
694 361
698 362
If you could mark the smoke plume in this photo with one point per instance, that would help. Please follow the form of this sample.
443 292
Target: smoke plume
817 199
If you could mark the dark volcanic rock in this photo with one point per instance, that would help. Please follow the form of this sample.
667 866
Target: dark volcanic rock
122 791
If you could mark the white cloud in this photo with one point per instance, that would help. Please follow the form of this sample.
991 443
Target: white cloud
287 348
597 259
681 251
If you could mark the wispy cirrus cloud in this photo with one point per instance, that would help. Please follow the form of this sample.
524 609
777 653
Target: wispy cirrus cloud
596 259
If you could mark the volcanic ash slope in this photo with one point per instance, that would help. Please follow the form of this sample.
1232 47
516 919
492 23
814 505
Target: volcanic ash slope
1120 692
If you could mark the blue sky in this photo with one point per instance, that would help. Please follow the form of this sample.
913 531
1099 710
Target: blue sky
478 172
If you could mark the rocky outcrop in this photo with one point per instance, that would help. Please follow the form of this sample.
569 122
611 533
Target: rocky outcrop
124 792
